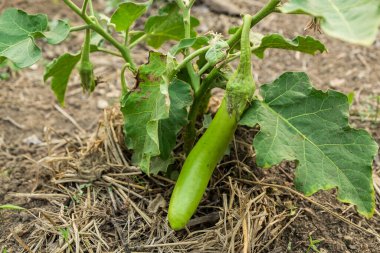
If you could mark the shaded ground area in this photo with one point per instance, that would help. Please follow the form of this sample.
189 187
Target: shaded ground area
80 191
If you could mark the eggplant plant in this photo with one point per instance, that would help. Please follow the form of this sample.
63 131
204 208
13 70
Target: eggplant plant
297 121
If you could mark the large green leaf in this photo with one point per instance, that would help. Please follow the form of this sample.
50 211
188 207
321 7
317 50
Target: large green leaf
180 100
300 123
355 21
18 31
60 70
168 25
302 44
153 115
127 13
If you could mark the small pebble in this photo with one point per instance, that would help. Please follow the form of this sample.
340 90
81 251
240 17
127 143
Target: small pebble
32 140
102 104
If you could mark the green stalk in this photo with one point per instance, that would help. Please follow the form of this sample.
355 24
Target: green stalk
108 37
269 8
134 43
201 94
79 28
265 11
84 7
194 78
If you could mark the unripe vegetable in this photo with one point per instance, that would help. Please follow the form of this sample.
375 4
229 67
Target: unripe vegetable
86 72
209 150
85 68
198 167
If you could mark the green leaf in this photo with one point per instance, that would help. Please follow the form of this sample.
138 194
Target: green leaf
299 123
127 13
195 42
217 52
59 31
180 100
355 21
60 70
302 44
11 207
18 32
153 115
167 26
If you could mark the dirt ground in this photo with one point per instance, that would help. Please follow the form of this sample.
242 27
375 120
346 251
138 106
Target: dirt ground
66 165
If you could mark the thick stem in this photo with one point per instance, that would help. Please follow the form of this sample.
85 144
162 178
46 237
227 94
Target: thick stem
199 99
200 94
97 28
265 11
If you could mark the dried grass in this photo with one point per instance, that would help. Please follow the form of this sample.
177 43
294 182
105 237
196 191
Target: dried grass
98 202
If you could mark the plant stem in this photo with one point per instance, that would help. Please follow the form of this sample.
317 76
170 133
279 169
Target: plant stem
126 39
111 52
92 13
265 11
84 7
124 86
137 41
97 28
79 28
204 68
235 38
180 4
201 94
86 47
194 78
190 57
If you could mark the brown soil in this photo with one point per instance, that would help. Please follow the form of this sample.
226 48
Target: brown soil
82 183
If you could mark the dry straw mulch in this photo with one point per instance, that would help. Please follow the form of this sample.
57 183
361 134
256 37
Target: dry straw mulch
98 202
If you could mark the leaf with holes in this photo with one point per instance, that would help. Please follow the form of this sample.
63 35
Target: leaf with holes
355 21
299 123
154 114
307 44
